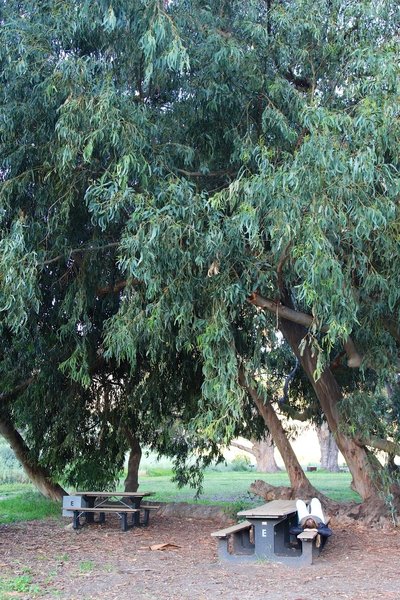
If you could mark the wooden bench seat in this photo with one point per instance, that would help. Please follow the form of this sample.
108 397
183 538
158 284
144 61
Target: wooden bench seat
121 511
223 533
235 541
146 508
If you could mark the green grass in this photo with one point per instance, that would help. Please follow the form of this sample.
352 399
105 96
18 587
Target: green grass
26 506
227 489
17 586
159 472
231 487
7 489
86 566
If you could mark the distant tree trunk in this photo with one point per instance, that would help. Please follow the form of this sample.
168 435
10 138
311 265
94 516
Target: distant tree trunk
132 479
329 449
37 474
264 451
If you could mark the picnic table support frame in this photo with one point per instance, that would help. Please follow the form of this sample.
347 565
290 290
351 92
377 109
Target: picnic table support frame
235 542
122 514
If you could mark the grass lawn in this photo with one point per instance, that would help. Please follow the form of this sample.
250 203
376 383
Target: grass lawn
232 486
19 502
26 506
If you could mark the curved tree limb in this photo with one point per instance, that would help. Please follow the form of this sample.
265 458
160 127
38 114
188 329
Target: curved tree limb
299 482
284 312
240 446
6 397
81 249
38 475
381 444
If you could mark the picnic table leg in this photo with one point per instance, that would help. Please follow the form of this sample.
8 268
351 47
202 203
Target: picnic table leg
146 514
102 517
265 537
89 517
136 515
76 522
308 552
124 522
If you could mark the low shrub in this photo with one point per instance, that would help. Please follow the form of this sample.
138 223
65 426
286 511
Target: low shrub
241 462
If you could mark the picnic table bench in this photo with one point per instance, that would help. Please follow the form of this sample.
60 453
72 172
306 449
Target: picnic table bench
265 535
235 541
122 512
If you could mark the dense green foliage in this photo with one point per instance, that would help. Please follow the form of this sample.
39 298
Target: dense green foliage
160 162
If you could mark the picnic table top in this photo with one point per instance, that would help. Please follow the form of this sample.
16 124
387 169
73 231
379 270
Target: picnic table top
273 509
116 494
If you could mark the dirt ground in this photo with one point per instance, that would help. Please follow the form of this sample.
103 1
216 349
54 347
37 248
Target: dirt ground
102 562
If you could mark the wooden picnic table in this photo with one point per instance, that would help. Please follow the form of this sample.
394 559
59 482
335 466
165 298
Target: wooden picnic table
129 500
134 498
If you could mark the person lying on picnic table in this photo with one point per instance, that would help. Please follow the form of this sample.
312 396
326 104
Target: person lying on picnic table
310 518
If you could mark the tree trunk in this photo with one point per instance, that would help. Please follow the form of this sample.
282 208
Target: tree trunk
132 479
298 480
37 474
329 449
264 451
301 486
362 465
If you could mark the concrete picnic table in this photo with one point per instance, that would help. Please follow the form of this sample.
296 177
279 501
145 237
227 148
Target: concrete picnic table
271 522
265 535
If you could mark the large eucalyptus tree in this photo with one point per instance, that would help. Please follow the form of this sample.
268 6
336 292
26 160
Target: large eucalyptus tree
194 175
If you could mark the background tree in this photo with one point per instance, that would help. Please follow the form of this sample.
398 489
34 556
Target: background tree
329 449
264 452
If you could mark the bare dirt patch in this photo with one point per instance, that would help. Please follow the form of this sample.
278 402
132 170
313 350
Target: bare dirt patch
100 561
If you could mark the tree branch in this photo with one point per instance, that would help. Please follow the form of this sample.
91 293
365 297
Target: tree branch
381 444
242 447
6 397
283 312
81 249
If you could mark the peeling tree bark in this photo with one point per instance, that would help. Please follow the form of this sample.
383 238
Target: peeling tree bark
37 474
